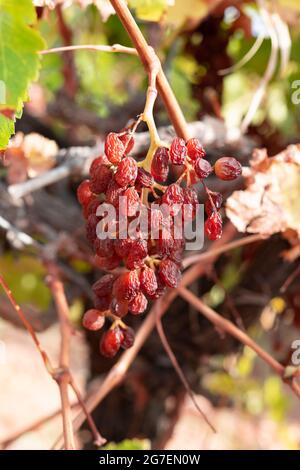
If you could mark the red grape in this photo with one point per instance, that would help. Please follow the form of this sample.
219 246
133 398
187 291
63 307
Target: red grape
195 149
111 341
93 320
228 168
160 165
178 151
169 273
114 148
213 226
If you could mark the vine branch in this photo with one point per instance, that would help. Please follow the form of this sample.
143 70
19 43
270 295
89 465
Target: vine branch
145 53
230 328
117 48
60 374
179 371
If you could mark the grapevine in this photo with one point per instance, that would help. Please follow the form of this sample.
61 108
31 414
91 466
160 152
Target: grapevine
106 266
149 265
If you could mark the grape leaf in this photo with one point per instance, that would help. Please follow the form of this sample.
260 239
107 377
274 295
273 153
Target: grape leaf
149 10
6 129
19 59
20 9
270 202
182 12
290 4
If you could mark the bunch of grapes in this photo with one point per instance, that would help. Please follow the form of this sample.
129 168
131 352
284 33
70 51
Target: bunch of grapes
147 266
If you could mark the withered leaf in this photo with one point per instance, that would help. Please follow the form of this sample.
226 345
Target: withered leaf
271 201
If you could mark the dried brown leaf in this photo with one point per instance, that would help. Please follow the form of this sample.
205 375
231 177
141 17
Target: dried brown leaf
29 155
271 201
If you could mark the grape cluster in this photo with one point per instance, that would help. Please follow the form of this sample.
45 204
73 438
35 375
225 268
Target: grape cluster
148 265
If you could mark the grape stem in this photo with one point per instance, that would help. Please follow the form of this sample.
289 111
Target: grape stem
148 118
157 81
93 47
146 53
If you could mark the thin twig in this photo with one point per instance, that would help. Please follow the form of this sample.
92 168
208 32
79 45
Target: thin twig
290 280
57 374
60 374
93 47
28 326
69 71
285 42
248 56
188 261
34 426
98 439
63 383
16 235
54 175
145 52
64 377
270 69
179 371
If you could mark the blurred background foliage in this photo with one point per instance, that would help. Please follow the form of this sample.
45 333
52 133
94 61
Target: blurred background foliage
108 79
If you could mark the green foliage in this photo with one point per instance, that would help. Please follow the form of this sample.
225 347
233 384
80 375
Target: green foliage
274 398
76 310
81 266
51 66
129 444
230 278
181 11
22 9
105 79
238 385
182 76
101 77
6 130
237 93
19 59
240 86
151 10
25 276
215 296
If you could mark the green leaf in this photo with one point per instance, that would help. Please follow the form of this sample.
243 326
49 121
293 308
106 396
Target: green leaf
6 130
182 11
19 58
25 276
149 10
20 8
290 4
129 444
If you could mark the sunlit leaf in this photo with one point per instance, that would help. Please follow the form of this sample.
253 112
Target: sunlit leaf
129 444
19 58
270 202
274 397
25 276
150 10
183 11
